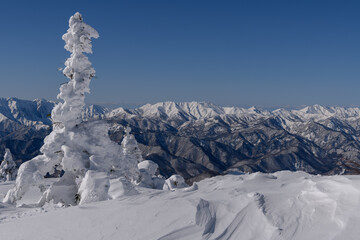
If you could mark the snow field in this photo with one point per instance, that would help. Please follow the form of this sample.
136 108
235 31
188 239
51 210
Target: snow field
284 205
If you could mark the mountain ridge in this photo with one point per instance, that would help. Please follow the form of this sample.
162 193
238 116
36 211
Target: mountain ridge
198 139
199 110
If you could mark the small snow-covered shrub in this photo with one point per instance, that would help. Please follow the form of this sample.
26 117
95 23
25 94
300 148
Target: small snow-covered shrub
130 157
94 187
175 181
8 168
148 176
149 167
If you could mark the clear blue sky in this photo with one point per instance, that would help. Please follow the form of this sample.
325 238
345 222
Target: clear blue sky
243 53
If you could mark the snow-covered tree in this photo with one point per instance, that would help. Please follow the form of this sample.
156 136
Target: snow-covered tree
8 168
83 150
78 69
131 154
74 146
149 176
175 181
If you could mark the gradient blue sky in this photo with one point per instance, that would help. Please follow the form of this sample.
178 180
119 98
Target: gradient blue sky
243 53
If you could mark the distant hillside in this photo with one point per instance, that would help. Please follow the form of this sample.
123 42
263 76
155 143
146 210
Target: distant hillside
198 139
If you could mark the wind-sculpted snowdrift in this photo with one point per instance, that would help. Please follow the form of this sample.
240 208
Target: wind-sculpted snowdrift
280 206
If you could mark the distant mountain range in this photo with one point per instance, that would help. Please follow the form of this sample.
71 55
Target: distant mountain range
198 140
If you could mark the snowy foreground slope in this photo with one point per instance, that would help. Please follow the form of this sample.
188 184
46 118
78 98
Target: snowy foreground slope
282 205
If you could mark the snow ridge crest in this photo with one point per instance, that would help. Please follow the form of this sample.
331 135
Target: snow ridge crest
203 110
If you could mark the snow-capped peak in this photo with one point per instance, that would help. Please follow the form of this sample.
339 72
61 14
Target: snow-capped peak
317 109
193 110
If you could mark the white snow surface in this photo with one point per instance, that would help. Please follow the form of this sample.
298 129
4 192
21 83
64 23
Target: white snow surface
283 205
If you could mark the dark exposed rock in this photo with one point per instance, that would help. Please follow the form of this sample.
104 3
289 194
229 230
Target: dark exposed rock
198 140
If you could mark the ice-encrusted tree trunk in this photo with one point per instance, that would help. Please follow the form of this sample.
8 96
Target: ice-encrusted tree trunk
83 150
78 69
69 144
8 168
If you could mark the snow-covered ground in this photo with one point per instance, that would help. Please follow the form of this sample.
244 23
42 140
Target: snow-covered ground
284 205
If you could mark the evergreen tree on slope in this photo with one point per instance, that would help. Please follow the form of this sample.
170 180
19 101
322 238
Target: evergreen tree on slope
80 149
8 169
131 154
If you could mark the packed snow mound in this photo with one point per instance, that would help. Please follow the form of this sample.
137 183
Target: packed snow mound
280 206
94 187
174 182
120 187
149 176
148 166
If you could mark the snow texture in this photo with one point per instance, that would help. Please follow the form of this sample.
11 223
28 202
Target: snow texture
94 187
174 182
149 176
130 148
280 206
8 170
78 69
